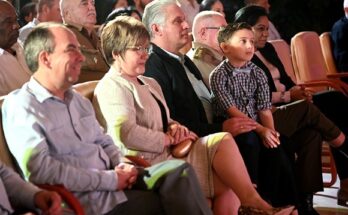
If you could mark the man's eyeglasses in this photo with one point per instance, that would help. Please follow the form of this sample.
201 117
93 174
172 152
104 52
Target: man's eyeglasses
140 49
215 28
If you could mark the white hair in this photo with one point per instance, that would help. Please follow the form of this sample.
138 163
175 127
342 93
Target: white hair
200 18
154 13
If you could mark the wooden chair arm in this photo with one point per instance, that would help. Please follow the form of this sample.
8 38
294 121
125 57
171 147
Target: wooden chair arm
335 84
338 75
66 196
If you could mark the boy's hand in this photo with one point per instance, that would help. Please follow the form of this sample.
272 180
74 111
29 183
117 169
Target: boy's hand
270 138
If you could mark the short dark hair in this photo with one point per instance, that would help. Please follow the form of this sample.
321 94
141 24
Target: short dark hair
40 39
207 4
250 14
123 11
225 33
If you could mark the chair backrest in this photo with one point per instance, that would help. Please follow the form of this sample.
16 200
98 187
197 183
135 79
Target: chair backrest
307 57
86 89
283 51
326 48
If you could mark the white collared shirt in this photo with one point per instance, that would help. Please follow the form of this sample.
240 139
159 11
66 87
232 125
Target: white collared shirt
14 72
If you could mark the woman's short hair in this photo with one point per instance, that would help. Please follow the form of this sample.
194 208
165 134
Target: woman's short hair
225 33
250 14
120 34
40 39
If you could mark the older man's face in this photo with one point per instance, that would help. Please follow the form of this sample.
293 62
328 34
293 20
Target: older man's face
8 25
82 12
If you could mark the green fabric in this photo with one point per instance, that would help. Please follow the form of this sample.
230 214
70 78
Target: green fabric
158 170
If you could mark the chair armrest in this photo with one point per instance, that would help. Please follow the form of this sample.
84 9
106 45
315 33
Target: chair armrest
333 83
338 75
138 161
66 196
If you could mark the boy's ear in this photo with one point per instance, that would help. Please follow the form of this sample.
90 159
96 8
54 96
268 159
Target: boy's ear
224 47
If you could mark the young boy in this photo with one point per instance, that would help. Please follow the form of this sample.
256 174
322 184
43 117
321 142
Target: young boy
239 86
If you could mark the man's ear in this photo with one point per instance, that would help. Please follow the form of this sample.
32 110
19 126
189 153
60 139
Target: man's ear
44 59
156 29
202 33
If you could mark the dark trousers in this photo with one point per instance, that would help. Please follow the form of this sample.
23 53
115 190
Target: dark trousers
306 127
269 169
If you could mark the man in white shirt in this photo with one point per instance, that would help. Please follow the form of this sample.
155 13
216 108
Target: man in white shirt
47 11
13 71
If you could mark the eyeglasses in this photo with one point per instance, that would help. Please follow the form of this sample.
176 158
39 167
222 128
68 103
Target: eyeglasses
215 28
140 49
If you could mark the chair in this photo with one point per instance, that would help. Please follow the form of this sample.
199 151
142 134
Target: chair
309 66
326 44
326 48
328 164
7 158
284 53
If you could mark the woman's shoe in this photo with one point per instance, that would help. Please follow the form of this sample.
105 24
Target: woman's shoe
247 210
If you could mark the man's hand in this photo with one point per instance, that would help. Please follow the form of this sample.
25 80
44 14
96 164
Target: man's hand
239 125
48 202
126 175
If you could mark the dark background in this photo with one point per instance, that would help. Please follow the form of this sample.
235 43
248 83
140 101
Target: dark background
289 16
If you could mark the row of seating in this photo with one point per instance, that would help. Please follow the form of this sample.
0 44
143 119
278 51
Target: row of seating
309 61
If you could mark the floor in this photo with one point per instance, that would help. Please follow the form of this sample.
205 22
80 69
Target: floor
326 202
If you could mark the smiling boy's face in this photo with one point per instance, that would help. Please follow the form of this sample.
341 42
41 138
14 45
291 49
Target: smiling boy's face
240 47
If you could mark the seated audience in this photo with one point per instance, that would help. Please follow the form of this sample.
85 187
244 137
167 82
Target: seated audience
80 17
213 5
187 98
132 104
17 195
48 11
339 34
52 132
293 117
27 13
273 33
13 70
140 5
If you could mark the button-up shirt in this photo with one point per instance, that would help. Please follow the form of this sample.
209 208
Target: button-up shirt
59 141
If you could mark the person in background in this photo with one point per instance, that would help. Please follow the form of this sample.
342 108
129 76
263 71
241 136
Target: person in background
27 13
48 11
120 4
273 33
14 71
339 35
206 52
307 118
126 11
80 17
213 5
17 195
140 5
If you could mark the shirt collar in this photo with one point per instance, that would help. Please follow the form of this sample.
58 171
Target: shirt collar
177 57
41 93
15 47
